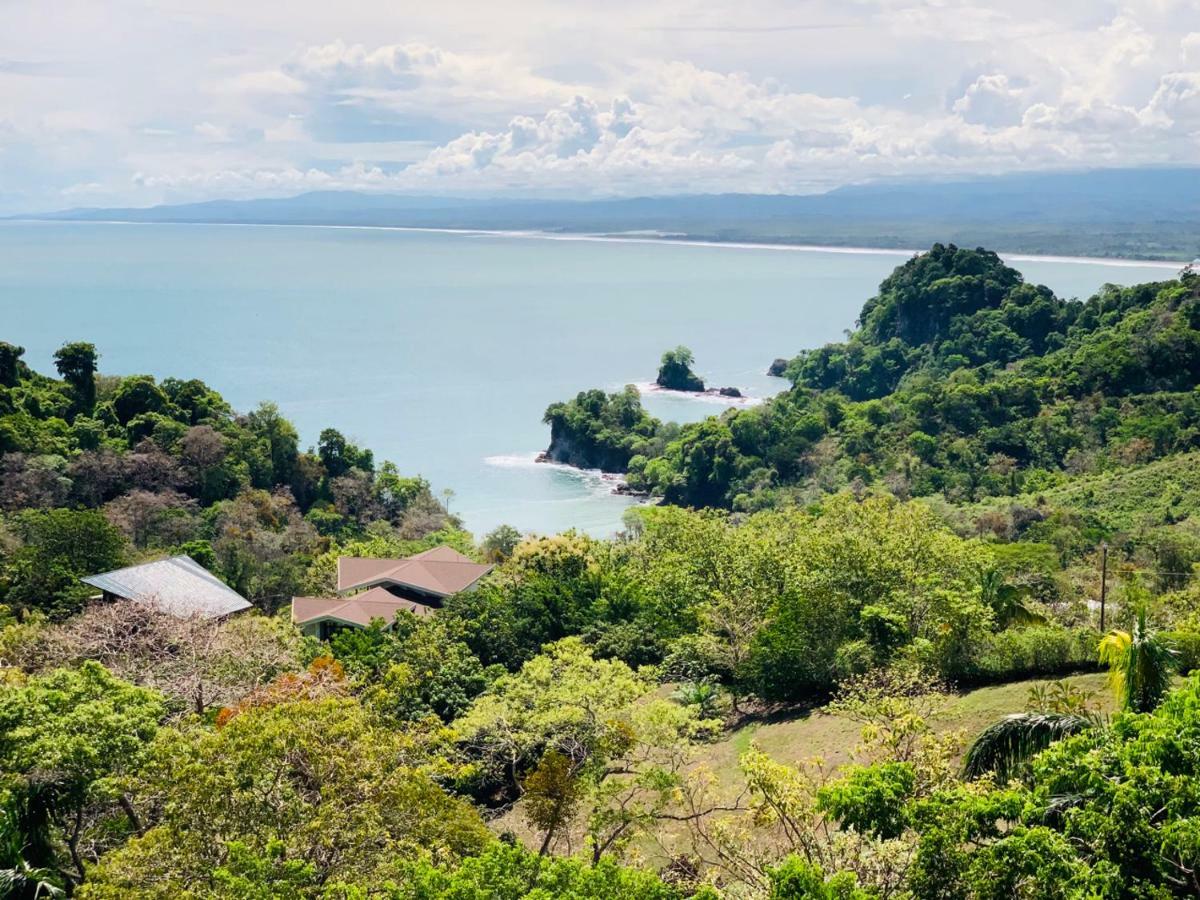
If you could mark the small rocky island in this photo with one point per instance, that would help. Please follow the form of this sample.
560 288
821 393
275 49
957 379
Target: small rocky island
675 374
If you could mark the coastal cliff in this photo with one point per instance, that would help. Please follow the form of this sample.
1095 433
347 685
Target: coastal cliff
602 431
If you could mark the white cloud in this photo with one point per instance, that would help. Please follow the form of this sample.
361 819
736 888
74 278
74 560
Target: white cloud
1176 103
1189 49
189 100
991 100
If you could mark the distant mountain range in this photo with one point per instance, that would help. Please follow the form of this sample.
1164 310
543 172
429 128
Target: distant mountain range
1143 213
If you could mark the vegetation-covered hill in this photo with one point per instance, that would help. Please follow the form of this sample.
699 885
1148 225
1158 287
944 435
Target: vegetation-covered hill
99 470
961 380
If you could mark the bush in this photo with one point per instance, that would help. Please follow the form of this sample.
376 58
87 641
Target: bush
1037 650
1187 645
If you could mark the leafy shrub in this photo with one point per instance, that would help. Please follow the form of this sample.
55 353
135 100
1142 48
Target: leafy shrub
1036 650
1187 645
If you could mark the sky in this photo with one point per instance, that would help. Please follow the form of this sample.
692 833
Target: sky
127 103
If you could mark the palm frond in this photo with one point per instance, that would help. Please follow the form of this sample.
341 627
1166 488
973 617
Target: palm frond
1006 746
1022 615
24 882
1114 653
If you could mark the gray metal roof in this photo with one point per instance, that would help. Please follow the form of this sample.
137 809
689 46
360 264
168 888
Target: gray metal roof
178 585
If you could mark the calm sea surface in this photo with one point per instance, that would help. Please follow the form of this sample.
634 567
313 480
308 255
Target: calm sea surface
441 351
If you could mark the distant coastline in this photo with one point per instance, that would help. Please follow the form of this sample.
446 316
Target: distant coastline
629 238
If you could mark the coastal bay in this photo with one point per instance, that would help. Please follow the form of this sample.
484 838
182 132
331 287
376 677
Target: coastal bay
442 350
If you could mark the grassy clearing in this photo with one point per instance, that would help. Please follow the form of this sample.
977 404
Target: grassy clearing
833 738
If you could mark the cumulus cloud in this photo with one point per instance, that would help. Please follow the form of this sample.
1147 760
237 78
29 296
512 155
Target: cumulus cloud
1189 49
991 100
1178 98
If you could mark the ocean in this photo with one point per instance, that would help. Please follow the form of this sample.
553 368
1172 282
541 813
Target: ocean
440 351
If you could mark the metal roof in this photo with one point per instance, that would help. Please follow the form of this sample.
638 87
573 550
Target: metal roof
178 585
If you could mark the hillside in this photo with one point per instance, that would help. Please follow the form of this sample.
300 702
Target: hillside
99 470
636 716
1134 213
1132 499
961 380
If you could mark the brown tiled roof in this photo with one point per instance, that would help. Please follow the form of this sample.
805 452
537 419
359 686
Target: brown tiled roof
441 571
377 603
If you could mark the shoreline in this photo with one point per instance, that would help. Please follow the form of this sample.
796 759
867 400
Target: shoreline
613 482
633 238
711 395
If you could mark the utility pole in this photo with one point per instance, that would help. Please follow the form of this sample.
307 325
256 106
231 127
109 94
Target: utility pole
1103 581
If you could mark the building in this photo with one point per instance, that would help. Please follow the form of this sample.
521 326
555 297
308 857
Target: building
380 588
178 585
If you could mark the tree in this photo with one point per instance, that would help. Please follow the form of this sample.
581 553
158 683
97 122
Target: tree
510 872
33 481
195 401
262 545
10 363
1005 747
281 437
414 669
166 519
314 780
137 395
353 495
1053 712
65 736
796 879
545 592
59 546
499 543
1140 665
896 560
573 730
339 455
203 453
76 363
1006 600
199 664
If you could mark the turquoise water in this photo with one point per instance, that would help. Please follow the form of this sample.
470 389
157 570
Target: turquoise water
441 351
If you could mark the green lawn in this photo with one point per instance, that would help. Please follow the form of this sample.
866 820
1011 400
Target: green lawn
832 738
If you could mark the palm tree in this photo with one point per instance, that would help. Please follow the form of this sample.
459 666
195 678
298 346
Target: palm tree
1006 746
704 695
1140 665
24 836
1007 600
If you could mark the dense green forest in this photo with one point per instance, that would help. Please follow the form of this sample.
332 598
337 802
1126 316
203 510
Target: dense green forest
928 510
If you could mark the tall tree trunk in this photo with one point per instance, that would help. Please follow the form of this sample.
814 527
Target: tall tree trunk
131 814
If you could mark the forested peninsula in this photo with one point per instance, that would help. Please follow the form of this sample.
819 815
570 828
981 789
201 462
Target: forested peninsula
922 627
961 380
